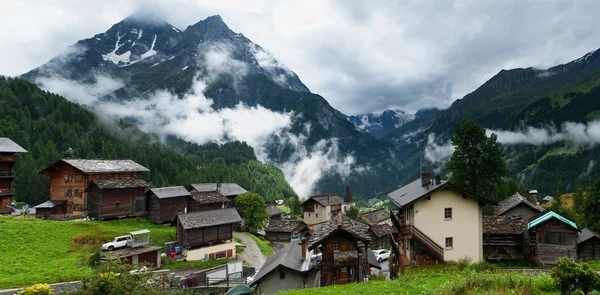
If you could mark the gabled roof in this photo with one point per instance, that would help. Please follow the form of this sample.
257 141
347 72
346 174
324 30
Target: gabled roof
372 259
119 183
272 210
326 200
380 230
375 216
290 257
49 204
209 218
548 215
211 197
227 189
98 166
9 146
585 235
504 224
169 192
285 226
514 201
414 191
323 230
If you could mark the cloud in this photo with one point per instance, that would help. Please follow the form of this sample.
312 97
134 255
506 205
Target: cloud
218 61
360 57
437 154
87 94
578 134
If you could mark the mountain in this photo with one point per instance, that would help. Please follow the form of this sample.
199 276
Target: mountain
380 124
142 56
516 100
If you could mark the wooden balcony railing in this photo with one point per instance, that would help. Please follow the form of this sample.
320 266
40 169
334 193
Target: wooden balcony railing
6 192
7 174
434 249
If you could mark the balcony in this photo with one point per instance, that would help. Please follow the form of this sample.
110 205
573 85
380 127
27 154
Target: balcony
7 174
7 192
8 158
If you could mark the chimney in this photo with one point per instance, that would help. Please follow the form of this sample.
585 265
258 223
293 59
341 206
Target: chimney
340 220
219 186
438 179
532 196
425 178
304 248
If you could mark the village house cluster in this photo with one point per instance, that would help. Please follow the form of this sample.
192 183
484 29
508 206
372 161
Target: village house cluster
431 221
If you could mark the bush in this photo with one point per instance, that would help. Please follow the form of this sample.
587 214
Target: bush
483 266
377 277
37 289
489 285
463 263
567 273
578 292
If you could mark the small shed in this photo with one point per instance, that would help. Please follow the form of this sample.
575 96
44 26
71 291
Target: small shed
588 245
504 238
117 198
380 234
144 255
163 204
554 236
206 227
282 230
51 207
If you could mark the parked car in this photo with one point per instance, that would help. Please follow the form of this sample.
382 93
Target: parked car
252 276
118 242
381 254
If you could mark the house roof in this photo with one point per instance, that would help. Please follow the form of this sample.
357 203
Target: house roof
504 224
169 192
372 259
585 235
227 189
546 216
49 204
326 200
210 197
209 218
9 146
325 229
289 257
375 216
284 226
514 201
414 191
119 183
381 230
272 210
98 166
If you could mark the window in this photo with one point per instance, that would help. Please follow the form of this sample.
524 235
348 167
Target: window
68 178
316 206
69 193
77 192
282 274
449 243
336 246
317 215
448 213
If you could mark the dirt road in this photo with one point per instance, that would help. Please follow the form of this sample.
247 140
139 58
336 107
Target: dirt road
252 254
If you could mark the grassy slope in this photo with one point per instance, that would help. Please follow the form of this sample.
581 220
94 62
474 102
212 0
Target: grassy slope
41 251
263 245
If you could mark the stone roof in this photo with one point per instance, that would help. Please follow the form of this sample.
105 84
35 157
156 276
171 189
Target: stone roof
9 146
504 224
381 230
119 183
272 210
325 229
227 189
289 257
211 197
169 192
415 190
209 218
285 226
372 259
105 166
585 235
514 201
326 200
375 216
49 204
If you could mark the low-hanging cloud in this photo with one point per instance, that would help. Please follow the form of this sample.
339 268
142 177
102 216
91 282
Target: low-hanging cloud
578 134
437 153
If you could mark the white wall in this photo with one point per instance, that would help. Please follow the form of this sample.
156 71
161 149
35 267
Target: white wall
323 212
465 228
198 254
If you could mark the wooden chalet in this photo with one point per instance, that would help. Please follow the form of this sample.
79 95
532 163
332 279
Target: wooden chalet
208 200
518 205
274 212
163 204
343 243
588 245
283 230
205 228
229 190
116 185
8 158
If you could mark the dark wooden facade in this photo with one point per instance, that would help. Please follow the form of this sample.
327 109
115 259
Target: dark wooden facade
553 240
341 262
116 203
8 159
589 249
162 210
204 236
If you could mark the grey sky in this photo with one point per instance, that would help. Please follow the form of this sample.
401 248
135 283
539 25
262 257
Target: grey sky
359 55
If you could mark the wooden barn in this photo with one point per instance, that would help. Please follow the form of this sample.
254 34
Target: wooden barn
8 159
588 245
71 180
163 204
519 205
116 198
504 238
380 235
553 236
229 190
49 208
207 200
206 227
283 230
274 212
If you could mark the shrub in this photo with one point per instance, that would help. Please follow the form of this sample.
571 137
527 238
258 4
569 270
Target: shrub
483 266
567 273
377 277
463 263
488 285
37 289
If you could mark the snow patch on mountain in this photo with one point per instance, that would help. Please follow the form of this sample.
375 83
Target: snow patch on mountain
379 124
150 52
118 58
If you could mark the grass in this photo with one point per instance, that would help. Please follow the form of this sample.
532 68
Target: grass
444 280
238 249
196 264
263 245
43 251
285 209
594 264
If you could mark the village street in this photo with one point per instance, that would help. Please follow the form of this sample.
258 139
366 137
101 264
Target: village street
251 254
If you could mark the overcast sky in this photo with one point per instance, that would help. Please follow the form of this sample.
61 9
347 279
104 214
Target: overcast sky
361 56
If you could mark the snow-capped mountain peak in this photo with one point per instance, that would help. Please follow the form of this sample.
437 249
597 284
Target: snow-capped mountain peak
380 124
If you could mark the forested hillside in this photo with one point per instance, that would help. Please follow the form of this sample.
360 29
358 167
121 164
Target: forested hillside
50 127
